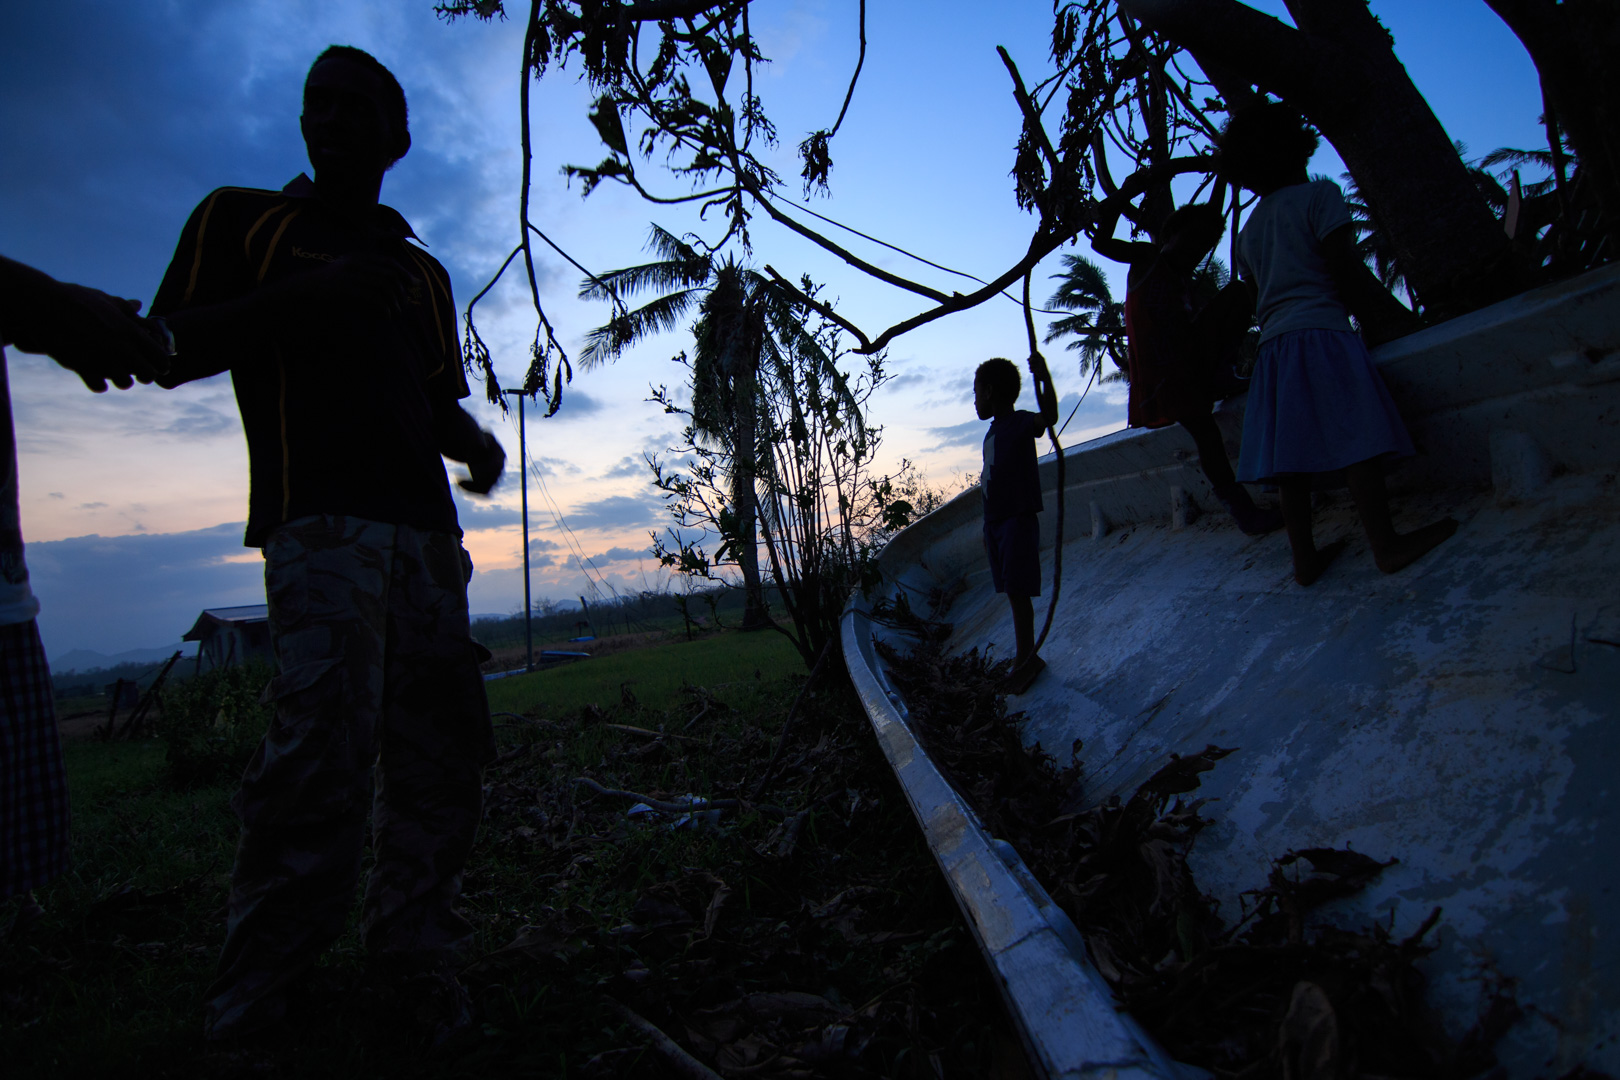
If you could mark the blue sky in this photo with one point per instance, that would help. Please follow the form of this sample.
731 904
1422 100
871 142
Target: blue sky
118 118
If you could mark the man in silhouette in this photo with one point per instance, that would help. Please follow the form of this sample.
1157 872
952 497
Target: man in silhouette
340 337
101 338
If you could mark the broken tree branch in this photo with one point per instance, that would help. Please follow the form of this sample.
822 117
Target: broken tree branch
684 1064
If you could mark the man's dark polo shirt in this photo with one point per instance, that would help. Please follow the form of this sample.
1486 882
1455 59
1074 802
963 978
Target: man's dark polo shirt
338 409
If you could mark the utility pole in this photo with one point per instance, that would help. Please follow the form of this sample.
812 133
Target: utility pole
523 466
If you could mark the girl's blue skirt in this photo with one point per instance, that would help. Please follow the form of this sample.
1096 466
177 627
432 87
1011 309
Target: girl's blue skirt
1316 404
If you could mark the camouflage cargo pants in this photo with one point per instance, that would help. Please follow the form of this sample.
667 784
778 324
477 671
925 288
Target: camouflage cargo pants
375 667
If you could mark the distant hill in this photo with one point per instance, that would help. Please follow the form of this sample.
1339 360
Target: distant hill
88 659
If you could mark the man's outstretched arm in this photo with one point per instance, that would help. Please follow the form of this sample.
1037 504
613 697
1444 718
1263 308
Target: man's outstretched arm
461 439
98 336
208 338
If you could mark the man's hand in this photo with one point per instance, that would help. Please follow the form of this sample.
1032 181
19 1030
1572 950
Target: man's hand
100 337
486 467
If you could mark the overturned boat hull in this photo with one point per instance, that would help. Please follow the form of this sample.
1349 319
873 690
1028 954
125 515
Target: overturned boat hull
1458 716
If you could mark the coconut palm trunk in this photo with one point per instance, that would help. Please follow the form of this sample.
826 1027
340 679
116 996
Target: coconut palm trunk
735 330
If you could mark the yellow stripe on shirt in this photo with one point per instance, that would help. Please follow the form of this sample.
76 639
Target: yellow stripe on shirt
202 228
264 267
196 259
432 301
251 233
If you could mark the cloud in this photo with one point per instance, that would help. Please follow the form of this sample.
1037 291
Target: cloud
198 420
628 467
616 512
112 593
900 382
57 495
540 544
968 433
550 466
92 506
475 515
1097 410
618 554
953 391
577 404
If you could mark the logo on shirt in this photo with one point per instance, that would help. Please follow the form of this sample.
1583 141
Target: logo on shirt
300 253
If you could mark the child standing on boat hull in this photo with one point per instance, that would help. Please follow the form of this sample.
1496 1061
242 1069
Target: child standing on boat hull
1011 487
1317 405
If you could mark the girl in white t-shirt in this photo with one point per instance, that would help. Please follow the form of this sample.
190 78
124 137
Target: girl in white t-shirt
1317 406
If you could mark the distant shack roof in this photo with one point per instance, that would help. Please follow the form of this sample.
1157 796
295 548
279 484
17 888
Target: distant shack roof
247 613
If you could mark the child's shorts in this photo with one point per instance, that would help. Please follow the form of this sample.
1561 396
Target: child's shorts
1014 549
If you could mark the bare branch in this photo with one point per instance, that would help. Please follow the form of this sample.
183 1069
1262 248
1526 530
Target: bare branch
860 62
821 308
1032 116
843 253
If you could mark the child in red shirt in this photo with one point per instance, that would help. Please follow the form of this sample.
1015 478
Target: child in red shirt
1171 363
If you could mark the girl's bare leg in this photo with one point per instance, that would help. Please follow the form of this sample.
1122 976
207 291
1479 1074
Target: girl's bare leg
1391 550
1309 562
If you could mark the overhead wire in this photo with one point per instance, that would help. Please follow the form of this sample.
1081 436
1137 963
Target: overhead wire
593 576
902 251
1089 383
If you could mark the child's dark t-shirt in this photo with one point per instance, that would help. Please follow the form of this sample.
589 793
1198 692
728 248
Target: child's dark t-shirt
1011 484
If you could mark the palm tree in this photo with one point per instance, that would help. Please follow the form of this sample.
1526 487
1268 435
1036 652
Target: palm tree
1097 323
681 275
729 336
1550 232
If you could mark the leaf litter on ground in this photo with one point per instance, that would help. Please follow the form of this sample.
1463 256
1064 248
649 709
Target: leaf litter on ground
800 932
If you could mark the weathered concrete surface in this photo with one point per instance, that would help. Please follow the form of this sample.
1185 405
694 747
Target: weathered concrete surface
1459 716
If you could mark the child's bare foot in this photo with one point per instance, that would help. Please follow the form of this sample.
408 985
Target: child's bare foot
1309 569
1409 548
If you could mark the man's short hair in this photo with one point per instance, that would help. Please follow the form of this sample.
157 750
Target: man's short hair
399 114
1000 378
1265 144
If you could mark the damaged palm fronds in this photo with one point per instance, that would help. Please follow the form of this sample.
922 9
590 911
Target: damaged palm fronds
1282 992
675 920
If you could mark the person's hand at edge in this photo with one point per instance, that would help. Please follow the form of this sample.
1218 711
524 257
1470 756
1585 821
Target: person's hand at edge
485 468
97 336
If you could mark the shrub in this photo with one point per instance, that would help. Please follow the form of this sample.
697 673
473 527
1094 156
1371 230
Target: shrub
212 724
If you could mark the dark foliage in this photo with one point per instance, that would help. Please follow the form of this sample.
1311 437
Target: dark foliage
210 725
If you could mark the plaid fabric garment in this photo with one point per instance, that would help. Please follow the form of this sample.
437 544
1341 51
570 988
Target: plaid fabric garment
33 787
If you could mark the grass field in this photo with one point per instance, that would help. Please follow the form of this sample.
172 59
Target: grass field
653 676
810 938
